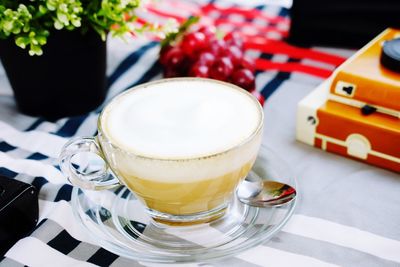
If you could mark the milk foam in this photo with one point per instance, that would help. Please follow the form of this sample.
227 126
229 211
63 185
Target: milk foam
180 119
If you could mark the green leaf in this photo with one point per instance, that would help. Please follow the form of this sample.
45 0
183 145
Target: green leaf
182 29
62 18
8 26
76 22
42 40
26 28
58 25
16 31
22 42
42 9
30 21
35 50
51 5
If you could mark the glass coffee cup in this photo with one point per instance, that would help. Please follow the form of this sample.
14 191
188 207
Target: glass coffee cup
181 146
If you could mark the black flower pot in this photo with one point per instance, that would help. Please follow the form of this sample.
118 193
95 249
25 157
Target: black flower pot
68 79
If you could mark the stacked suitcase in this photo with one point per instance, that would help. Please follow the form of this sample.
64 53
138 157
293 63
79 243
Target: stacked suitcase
356 112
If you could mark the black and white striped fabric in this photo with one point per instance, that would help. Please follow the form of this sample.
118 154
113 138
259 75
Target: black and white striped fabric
348 212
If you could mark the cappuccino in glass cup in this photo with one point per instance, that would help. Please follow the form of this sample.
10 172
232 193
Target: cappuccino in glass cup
182 146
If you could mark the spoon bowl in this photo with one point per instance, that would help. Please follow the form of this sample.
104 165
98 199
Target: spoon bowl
255 191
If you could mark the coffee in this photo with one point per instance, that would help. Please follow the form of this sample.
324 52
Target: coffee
182 145
180 119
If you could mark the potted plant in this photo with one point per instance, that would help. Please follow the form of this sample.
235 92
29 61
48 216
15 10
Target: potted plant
54 51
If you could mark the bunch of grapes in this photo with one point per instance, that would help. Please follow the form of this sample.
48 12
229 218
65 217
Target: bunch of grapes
200 53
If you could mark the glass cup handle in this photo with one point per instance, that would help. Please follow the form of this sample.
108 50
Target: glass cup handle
95 180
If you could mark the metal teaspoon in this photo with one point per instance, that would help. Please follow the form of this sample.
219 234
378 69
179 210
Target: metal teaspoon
255 191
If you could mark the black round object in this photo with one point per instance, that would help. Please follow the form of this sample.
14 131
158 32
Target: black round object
390 56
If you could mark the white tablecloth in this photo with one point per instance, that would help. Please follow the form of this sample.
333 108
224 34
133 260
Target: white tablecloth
348 212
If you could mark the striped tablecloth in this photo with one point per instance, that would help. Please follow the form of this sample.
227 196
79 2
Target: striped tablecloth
348 213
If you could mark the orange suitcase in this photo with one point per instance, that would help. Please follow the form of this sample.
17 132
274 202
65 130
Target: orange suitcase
356 112
362 80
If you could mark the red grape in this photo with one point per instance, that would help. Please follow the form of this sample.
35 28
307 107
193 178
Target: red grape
199 70
174 58
244 78
221 69
206 58
201 54
193 42
217 47
170 73
235 54
163 54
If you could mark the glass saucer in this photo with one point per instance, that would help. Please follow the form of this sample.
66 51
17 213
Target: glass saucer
121 225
